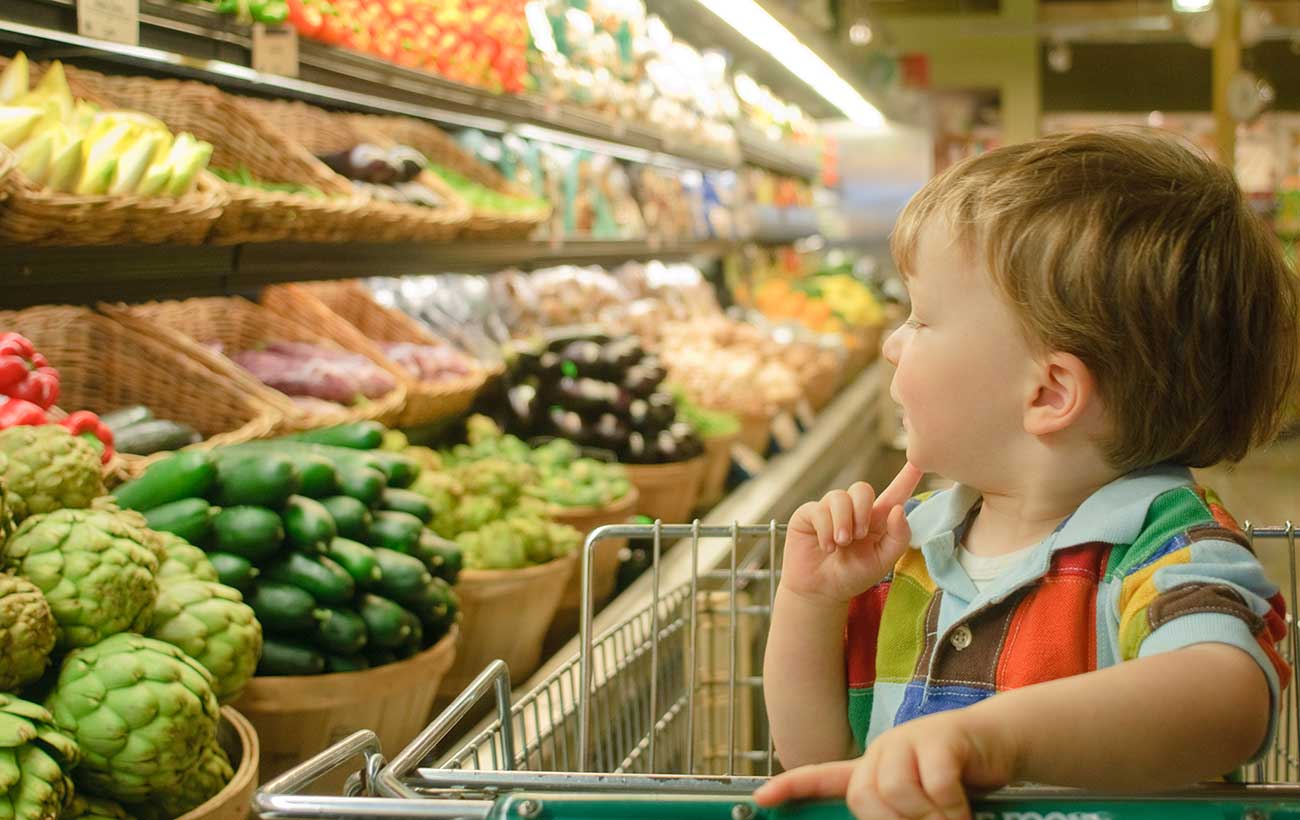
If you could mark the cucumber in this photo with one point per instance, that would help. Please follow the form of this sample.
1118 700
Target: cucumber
155 436
340 631
124 417
358 475
361 435
259 480
346 663
288 657
415 637
184 475
381 657
357 560
234 570
443 558
436 607
283 608
399 470
255 533
401 576
188 518
395 530
407 502
351 517
386 622
327 582
307 524
365 484
318 476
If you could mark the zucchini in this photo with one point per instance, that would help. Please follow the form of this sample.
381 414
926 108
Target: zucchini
189 518
340 631
252 532
184 475
436 606
317 475
365 484
258 480
361 435
327 582
357 560
124 417
395 531
351 517
346 663
358 475
155 436
407 502
283 608
307 524
401 576
399 470
288 657
234 570
443 558
386 622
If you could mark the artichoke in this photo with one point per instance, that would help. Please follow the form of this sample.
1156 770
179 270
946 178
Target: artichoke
211 623
49 469
181 559
85 807
142 711
27 632
199 785
35 758
8 504
93 568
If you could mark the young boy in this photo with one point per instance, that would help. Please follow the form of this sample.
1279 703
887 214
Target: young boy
1092 314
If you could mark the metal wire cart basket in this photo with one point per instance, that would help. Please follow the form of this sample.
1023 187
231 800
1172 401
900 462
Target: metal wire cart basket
672 721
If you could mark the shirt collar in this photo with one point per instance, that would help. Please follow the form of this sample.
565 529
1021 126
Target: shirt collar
1113 514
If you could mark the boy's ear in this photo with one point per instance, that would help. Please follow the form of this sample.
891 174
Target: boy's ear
1064 395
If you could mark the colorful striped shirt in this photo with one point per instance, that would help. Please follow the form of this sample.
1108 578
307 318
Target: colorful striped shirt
1149 563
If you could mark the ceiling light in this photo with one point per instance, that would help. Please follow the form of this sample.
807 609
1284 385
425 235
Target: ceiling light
860 34
764 31
1193 6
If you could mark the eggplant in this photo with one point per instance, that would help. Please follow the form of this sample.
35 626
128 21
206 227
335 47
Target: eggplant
669 447
364 163
524 406
611 432
592 397
640 381
559 338
417 193
410 161
621 354
637 451
526 363
663 409
567 424
642 418
688 444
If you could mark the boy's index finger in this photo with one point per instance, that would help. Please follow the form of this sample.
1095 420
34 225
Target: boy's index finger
901 488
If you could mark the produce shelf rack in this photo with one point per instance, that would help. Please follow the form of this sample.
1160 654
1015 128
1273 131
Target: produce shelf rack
191 42
33 276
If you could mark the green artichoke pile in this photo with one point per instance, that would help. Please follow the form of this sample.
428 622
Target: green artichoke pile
35 758
122 632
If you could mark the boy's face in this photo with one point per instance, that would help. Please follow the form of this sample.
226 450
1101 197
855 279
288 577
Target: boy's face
964 370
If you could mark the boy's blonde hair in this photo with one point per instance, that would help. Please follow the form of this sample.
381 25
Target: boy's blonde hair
1142 258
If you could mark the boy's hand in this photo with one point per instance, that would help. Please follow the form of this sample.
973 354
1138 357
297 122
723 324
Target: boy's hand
918 770
839 547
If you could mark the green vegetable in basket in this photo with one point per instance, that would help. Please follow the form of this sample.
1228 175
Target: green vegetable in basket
243 177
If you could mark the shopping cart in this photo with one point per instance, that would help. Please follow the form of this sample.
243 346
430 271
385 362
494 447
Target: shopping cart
661 716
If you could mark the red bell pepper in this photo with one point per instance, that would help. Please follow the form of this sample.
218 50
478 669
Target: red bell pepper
26 374
87 425
20 413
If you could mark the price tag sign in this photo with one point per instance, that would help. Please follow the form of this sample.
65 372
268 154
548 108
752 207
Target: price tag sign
785 432
749 461
275 50
115 20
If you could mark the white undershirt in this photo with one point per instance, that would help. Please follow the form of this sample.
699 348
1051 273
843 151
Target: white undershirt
985 569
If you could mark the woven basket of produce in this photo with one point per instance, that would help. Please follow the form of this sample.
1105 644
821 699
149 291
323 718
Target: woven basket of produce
669 492
96 176
440 381
314 378
239 740
174 400
501 209
408 202
276 190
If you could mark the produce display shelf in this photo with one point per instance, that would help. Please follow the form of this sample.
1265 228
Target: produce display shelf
758 149
32 276
192 42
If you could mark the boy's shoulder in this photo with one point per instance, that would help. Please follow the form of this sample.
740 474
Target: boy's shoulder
1177 519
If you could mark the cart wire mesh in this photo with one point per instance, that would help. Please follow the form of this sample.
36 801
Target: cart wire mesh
674 699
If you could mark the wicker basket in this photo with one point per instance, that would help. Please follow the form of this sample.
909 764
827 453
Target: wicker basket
668 492
238 324
239 740
7 163
442 150
105 365
239 136
35 215
322 132
349 312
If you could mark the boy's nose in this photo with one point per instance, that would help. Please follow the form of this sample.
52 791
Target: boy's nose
893 344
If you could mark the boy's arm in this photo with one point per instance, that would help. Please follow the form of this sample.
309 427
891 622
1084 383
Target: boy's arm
1152 723
803 681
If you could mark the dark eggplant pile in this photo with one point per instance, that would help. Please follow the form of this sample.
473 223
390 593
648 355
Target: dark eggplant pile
596 391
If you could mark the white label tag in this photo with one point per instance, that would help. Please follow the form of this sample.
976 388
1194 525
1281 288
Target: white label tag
748 460
804 412
785 432
275 50
115 20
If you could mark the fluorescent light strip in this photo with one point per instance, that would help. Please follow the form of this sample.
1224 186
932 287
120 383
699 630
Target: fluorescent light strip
765 31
